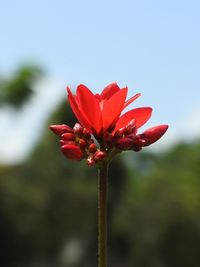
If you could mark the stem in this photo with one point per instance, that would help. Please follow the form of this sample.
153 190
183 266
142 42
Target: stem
102 215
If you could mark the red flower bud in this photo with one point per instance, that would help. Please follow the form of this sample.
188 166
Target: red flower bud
132 136
82 143
68 136
78 129
60 129
72 151
92 148
90 161
129 129
120 132
124 143
142 142
153 134
138 143
91 141
99 155
86 133
66 142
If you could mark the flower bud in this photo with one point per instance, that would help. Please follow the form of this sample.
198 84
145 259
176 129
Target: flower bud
66 142
86 133
68 136
138 143
78 129
82 143
142 142
132 136
154 134
120 132
61 129
90 161
130 128
72 151
99 155
124 143
92 148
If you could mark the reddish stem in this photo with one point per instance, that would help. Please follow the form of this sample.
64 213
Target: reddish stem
102 215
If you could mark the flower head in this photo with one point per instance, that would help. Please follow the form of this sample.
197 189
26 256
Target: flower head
100 121
99 112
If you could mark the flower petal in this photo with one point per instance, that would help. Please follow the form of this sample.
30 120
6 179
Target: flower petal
113 107
109 91
130 100
76 110
141 116
89 106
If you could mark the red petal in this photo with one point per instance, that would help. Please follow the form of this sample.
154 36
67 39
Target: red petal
109 90
154 134
141 116
72 152
98 97
129 101
76 110
89 105
113 107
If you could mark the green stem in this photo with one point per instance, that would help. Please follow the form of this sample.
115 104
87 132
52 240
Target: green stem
102 215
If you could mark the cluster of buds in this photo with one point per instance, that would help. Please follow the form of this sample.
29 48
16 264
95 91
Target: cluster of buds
126 138
77 143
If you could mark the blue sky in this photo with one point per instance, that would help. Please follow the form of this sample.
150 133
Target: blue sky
151 46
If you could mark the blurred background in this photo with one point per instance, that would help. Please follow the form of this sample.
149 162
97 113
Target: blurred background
48 205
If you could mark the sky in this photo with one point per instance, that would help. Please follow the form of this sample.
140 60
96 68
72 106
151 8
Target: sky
150 46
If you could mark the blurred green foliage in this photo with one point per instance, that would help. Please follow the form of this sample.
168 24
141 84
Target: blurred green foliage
48 208
16 90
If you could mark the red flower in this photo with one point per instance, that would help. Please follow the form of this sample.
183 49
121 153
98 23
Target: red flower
100 115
